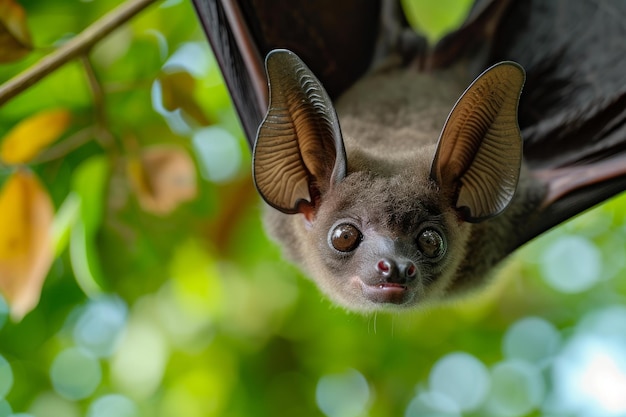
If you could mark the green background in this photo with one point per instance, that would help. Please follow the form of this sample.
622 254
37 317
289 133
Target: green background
195 314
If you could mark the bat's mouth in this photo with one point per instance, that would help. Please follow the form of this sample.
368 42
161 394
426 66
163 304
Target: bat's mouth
387 293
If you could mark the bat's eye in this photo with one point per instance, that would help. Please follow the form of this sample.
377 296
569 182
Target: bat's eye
345 237
431 243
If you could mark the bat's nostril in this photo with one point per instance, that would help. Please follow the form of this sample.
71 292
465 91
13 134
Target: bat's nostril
411 270
383 266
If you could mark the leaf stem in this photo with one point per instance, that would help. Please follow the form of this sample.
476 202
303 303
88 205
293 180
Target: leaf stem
75 47
104 135
96 91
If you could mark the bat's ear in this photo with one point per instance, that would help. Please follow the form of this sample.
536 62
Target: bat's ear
479 154
299 152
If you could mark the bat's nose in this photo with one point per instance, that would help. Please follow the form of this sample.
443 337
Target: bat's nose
396 272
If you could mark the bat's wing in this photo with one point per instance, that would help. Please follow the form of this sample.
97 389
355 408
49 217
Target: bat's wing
573 115
573 110
336 38
237 53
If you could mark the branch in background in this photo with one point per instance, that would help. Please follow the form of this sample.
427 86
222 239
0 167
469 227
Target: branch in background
77 46
96 91
104 135
66 146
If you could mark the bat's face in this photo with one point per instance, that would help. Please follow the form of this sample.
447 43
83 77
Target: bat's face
384 243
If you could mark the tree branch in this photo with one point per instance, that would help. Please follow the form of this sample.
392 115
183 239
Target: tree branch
104 135
66 146
75 47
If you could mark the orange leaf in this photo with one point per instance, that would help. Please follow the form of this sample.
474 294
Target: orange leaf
26 214
22 143
163 178
15 42
177 88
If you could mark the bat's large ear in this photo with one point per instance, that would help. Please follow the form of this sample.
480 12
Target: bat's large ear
479 154
299 152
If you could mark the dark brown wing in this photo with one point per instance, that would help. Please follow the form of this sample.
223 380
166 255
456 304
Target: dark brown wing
573 110
336 38
574 53
573 115
238 56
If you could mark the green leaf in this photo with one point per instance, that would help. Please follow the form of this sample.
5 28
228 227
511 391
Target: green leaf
64 219
89 182
85 261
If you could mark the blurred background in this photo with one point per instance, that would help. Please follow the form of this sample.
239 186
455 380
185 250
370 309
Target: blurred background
163 297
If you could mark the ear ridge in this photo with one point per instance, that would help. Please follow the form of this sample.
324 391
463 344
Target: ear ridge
299 151
479 153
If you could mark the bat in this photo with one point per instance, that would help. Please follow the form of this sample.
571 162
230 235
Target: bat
405 185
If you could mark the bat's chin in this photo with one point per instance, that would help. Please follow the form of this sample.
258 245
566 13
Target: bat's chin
388 293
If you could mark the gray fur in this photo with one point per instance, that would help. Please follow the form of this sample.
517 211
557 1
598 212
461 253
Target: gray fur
391 122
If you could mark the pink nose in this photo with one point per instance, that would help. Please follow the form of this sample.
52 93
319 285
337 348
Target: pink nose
396 272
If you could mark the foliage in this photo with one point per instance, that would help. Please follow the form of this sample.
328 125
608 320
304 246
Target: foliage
125 176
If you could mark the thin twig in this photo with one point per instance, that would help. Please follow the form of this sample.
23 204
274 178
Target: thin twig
104 135
66 146
96 91
75 47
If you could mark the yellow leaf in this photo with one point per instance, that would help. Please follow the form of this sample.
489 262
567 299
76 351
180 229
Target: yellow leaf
26 215
163 178
15 42
22 143
177 88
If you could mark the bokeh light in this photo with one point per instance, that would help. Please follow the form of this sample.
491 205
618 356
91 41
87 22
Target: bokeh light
51 404
589 373
462 378
4 311
138 365
218 153
192 57
432 404
572 264
532 339
100 325
590 378
6 377
342 395
609 321
5 408
517 387
112 405
187 327
75 374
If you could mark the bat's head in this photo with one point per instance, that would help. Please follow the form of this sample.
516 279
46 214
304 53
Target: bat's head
377 240
382 242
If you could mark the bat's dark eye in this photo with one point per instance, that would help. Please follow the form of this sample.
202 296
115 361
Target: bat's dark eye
345 237
431 243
